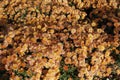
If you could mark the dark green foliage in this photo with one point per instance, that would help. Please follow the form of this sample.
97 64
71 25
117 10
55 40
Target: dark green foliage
113 76
71 4
2 72
70 73
24 14
4 75
116 57
22 74
118 48
88 60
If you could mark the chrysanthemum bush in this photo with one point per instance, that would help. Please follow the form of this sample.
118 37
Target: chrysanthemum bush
59 40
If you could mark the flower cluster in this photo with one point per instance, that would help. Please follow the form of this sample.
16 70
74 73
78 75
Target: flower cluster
59 39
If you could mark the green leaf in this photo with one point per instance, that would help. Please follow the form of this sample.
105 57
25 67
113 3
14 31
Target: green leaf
70 73
22 74
118 47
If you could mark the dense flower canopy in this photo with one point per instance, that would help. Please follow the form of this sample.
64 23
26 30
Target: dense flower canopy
59 39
